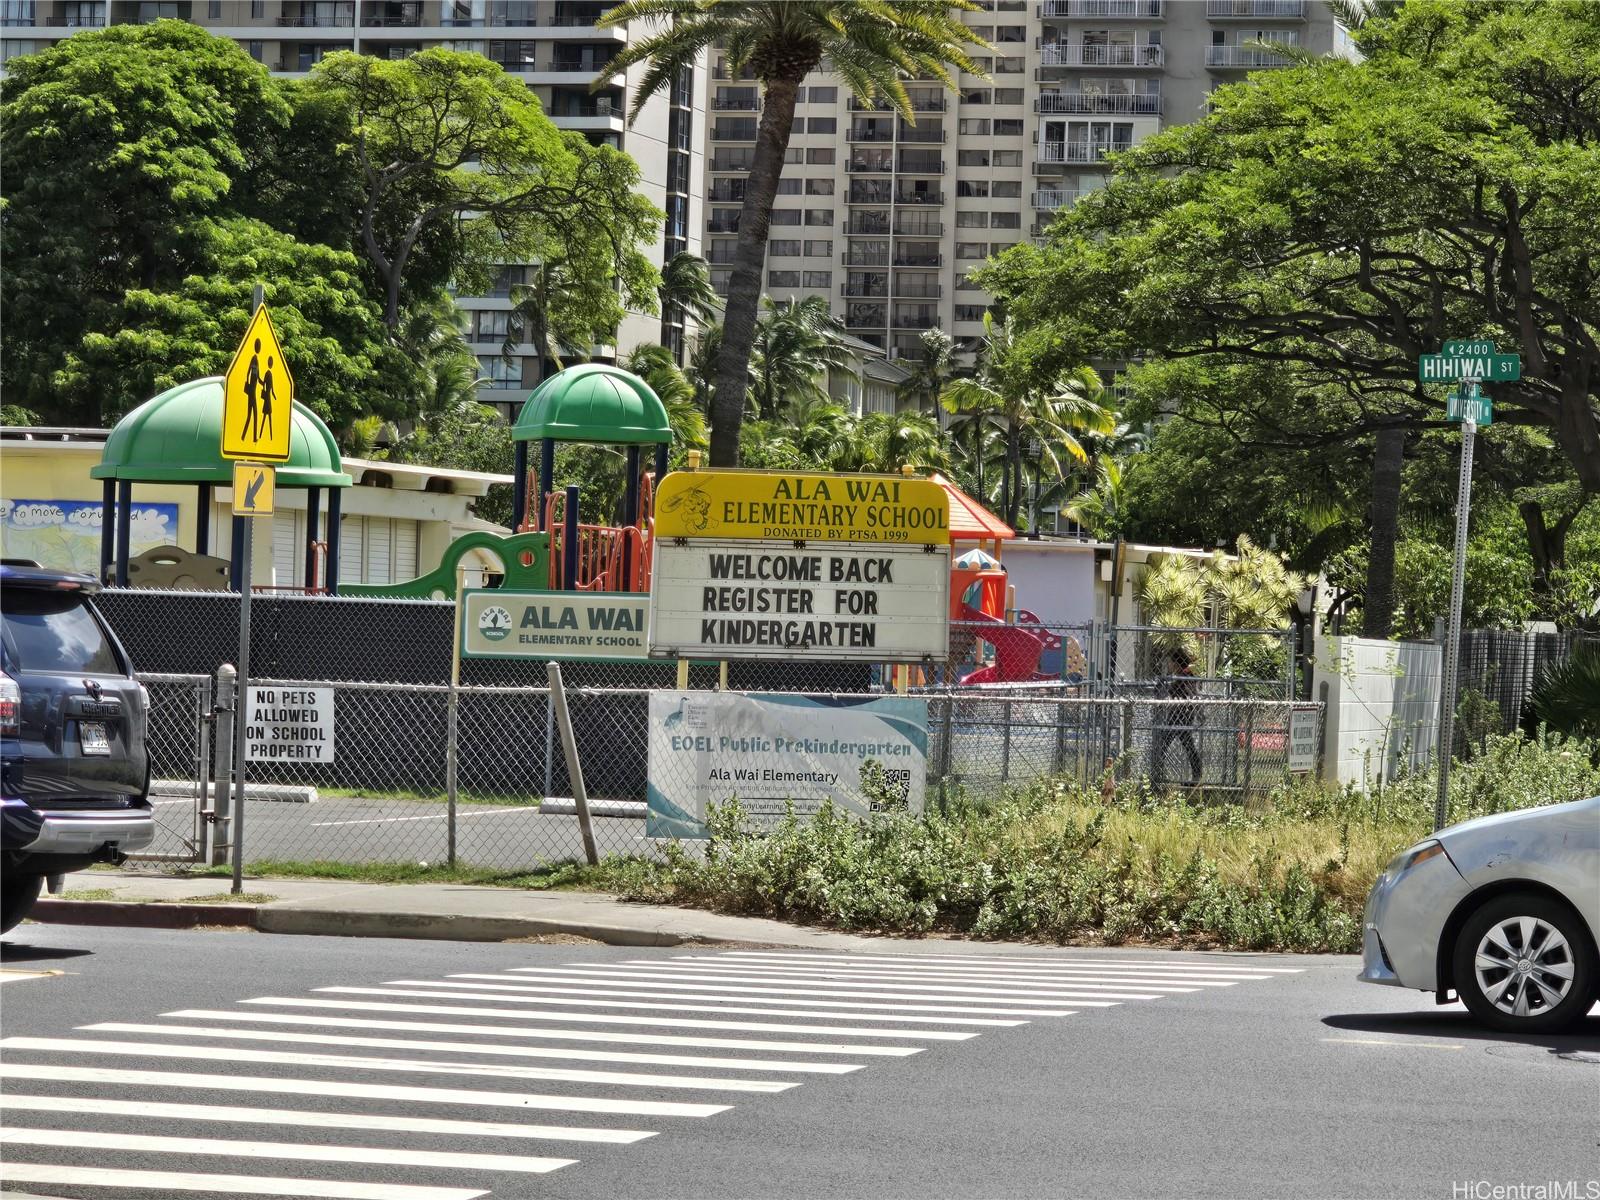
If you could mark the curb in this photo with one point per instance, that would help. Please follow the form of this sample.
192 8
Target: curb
341 923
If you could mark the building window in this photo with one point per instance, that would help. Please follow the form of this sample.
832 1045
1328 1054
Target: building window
969 312
1008 96
978 188
783 279
1005 220
490 326
824 95
819 279
971 250
786 216
255 50
972 220
996 249
819 216
1011 33
820 249
1008 128
214 10
1008 158
820 156
822 125
975 96
794 155
819 187
1008 66
973 126
1006 189
258 10
783 248
972 158
789 187
496 369
964 283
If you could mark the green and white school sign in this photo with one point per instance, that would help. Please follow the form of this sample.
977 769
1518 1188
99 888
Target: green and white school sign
497 623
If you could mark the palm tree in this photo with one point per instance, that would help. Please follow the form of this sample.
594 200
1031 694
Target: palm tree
655 365
1102 508
796 344
432 335
1008 392
873 45
686 287
930 369
889 441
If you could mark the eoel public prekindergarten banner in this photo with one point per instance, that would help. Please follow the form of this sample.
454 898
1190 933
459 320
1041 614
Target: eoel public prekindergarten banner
866 755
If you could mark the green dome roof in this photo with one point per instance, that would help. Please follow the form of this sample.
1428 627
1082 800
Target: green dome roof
594 403
177 438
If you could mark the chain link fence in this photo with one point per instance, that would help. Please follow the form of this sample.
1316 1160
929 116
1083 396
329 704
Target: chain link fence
490 787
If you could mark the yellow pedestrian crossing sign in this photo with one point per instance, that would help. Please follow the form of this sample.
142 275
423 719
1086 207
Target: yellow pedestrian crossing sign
253 485
258 395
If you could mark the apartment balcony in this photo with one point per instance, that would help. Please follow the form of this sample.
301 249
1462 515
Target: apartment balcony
723 192
919 197
871 166
870 291
745 76
857 257
905 259
723 133
1080 54
930 136
921 317
595 108
1256 10
1083 153
736 103
586 67
1102 10
719 257
866 316
924 229
914 165
857 227
1243 58
722 225
862 192
869 135
1086 102
919 103
1050 199
408 17
313 18
577 15
918 291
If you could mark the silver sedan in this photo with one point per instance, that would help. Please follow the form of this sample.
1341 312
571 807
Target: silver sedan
1502 911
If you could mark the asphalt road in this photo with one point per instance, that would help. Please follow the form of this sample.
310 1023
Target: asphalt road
1174 1075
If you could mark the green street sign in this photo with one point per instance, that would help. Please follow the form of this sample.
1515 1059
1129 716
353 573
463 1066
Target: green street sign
1471 405
1469 359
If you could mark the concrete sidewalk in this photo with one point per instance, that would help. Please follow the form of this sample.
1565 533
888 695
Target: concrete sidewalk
458 912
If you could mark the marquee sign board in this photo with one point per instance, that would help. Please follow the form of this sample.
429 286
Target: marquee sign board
726 599
791 506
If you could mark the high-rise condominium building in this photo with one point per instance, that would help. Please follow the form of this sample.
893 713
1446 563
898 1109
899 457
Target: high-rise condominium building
886 217
554 46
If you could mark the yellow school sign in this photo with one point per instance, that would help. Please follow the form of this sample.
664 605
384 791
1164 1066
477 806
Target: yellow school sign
802 506
258 394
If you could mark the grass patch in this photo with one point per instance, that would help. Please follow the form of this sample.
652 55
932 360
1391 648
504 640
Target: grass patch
230 898
413 796
88 894
557 876
1066 864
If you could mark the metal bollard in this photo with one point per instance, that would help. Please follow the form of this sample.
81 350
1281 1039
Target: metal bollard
219 826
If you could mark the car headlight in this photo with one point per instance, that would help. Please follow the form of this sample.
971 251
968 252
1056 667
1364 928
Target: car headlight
1406 859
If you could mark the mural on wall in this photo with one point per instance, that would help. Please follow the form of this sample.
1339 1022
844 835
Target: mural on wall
66 533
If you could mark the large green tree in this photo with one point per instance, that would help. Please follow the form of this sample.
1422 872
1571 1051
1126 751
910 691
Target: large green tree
1347 217
872 45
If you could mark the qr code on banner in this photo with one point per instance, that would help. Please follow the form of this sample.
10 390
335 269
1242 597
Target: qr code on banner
888 789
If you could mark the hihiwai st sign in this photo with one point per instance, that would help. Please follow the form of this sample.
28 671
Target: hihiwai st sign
497 623
289 724
801 506
753 599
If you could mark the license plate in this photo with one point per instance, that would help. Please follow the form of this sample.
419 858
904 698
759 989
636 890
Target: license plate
92 736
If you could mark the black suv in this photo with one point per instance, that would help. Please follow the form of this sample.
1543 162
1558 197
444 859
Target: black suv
74 774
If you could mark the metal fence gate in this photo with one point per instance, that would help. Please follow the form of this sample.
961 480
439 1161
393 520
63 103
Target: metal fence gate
179 744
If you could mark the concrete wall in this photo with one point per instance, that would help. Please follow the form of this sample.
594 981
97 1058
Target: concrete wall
1382 707
1055 581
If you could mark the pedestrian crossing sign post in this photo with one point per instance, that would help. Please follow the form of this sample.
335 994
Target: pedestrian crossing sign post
258 394
253 489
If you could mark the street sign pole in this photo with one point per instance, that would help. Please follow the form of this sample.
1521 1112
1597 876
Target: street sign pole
1452 647
242 705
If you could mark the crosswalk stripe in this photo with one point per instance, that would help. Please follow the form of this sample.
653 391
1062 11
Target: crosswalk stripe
927 992
460 1010
639 986
148 1109
326 1039
300 1151
625 1037
993 1022
1188 982
997 962
420 1066
239 1185
359 1091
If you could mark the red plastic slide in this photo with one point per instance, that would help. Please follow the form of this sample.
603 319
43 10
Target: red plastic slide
1016 651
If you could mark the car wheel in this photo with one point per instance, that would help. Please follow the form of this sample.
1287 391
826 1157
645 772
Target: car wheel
17 894
1523 964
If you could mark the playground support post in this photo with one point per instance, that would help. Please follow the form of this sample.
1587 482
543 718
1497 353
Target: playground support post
569 746
569 541
330 570
661 462
108 524
519 490
313 515
547 471
202 520
124 528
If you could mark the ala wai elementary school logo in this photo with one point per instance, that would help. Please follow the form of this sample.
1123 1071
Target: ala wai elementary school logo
494 623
